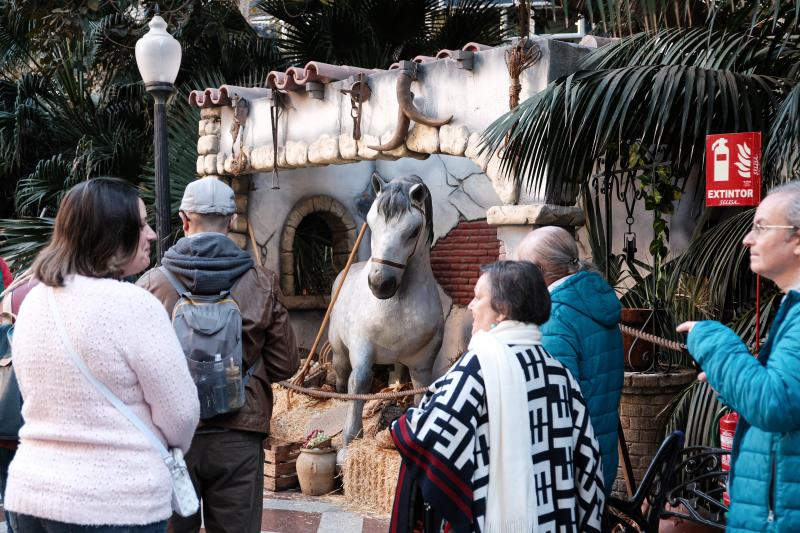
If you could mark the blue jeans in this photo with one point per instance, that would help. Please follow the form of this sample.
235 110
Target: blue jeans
6 456
23 523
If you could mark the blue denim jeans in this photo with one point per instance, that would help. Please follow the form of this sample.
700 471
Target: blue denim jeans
23 523
6 456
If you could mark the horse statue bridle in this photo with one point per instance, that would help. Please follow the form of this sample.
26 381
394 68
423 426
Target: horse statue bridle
402 266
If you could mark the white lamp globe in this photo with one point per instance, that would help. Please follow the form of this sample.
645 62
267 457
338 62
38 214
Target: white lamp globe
158 54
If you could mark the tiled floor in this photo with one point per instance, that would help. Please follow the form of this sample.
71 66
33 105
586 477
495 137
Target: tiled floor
291 512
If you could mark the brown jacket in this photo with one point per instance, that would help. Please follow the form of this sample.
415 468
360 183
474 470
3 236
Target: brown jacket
266 333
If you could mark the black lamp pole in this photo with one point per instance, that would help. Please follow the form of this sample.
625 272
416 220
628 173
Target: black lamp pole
161 92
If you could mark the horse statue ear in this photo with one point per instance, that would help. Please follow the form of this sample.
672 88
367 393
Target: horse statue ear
377 182
418 193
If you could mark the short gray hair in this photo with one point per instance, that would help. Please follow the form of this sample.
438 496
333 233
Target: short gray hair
792 189
557 250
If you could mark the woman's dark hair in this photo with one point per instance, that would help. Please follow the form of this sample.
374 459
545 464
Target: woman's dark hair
96 232
518 291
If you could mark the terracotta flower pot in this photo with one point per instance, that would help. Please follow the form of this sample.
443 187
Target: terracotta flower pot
316 468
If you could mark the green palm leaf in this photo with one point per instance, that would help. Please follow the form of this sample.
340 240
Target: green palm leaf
554 138
782 153
22 239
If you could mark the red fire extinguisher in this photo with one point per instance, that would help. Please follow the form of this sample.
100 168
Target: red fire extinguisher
727 428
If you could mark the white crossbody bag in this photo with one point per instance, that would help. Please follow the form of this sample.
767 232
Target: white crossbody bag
184 497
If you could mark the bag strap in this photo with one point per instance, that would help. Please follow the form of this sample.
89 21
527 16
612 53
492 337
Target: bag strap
175 282
112 399
6 308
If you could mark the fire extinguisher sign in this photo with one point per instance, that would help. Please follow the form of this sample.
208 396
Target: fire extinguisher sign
733 169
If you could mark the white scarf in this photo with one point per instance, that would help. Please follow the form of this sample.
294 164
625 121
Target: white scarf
511 496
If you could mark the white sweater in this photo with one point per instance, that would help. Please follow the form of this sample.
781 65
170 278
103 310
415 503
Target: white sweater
80 460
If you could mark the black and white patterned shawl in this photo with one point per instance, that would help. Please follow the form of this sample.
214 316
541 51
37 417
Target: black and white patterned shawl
445 448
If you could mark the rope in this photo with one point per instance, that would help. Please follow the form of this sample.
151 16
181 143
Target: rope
314 393
649 337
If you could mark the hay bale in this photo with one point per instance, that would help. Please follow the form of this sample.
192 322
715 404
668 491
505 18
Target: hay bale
370 476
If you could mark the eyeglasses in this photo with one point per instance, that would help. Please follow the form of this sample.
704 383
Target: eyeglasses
758 229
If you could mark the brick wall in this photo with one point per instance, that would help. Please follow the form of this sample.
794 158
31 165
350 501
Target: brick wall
457 257
644 397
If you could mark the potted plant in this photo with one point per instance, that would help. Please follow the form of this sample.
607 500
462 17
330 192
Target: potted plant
316 465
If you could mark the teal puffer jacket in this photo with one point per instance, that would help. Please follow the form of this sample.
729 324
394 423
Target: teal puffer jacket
765 476
583 333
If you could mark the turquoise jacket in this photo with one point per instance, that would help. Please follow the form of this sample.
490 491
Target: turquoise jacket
583 333
765 476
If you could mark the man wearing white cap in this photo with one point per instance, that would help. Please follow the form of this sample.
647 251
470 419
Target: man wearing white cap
226 459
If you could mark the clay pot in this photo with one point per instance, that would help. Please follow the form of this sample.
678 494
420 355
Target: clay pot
316 468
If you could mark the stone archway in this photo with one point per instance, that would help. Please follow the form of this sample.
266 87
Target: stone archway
343 236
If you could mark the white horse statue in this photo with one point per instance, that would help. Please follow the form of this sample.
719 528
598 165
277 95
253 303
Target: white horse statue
388 310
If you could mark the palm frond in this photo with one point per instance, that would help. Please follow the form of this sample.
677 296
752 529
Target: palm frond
553 139
782 153
21 239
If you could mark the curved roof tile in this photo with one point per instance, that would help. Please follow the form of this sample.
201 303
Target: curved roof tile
295 78
215 97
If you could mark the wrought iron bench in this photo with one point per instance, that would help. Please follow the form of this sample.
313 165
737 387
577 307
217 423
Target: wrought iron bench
680 482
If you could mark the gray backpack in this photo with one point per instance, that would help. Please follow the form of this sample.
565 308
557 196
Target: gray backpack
209 328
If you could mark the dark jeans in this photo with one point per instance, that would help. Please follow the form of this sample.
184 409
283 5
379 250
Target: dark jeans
227 470
23 523
6 456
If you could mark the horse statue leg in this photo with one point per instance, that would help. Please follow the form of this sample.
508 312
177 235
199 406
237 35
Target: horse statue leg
361 358
341 365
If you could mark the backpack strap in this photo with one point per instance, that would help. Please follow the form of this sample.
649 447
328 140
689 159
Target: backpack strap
175 282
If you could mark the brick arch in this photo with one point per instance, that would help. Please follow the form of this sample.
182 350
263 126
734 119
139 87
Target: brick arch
338 218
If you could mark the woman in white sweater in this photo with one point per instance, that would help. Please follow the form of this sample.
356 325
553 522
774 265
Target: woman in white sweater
80 461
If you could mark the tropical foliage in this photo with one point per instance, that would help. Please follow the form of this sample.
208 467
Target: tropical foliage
72 104
678 72
376 33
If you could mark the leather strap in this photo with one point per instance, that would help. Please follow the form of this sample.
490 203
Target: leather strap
402 266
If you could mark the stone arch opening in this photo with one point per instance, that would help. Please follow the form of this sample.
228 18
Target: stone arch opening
316 240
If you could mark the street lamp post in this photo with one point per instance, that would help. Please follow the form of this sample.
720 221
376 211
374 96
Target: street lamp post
158 56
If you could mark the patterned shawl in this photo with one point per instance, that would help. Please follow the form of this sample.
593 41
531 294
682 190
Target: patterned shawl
445 449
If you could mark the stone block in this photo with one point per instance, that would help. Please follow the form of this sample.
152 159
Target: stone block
211 112
240 224
261 158
209 126
348 147
321 203
200 168
364 152
473 149
504 184
238 239
287 241
208 144
287 263
224 163
210 164
325 151
294 219
241 203
535 215
453 139
423 139
399 152
296 153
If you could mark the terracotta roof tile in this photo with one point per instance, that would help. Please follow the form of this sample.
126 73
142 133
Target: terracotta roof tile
215 97
295 78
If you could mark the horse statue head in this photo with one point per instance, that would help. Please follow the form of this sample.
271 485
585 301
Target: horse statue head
401 222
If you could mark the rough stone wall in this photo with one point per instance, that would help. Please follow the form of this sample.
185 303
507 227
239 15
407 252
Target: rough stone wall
644 397
457 257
